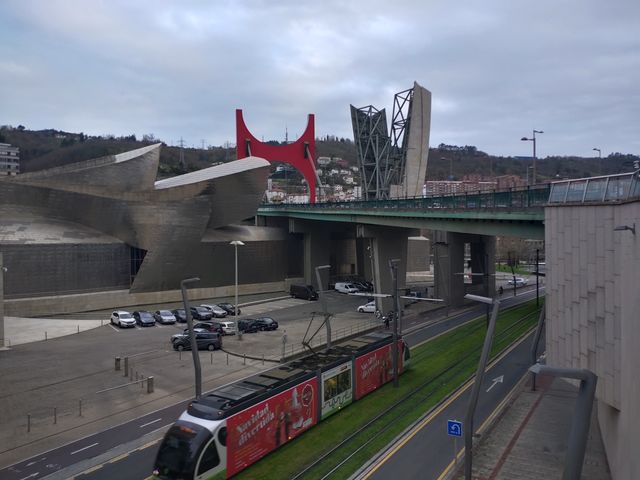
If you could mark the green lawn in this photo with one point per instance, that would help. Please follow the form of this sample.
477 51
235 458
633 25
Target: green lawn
507 269
438 367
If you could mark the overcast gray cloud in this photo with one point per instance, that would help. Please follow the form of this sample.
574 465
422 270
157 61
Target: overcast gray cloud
180 69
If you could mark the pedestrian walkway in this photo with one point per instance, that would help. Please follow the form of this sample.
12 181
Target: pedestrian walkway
20 330
529 439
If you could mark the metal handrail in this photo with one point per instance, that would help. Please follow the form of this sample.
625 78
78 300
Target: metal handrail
522 198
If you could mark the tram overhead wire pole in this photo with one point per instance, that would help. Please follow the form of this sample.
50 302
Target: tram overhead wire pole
477 384
323 302
192 334
393 266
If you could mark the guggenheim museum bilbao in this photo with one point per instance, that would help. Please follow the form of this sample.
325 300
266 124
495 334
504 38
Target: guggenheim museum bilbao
106 227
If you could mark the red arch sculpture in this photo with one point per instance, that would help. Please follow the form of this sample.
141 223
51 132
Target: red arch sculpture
299 154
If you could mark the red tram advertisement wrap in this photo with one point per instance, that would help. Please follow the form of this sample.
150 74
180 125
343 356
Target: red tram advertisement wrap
258 430
376 368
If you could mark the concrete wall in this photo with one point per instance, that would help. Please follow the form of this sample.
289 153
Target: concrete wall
593 319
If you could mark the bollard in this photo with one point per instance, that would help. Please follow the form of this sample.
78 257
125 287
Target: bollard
227 359
126 366
45 335
80 407
78 328
263 358
28 423
244 358
212 359
149 384
55 415
117 364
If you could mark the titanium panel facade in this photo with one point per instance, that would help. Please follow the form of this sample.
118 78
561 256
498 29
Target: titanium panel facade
118 197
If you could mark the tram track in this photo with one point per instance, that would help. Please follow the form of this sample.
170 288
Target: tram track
331 461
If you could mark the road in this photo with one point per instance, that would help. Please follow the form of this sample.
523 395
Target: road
123 448
427 452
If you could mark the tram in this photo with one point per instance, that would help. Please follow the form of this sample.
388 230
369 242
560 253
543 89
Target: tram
234 426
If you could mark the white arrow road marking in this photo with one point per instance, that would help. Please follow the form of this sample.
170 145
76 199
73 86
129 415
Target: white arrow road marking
496 380
149 423
88 446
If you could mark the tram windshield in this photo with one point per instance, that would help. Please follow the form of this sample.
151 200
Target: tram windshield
179 451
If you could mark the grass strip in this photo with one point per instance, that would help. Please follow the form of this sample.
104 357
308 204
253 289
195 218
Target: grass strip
460 348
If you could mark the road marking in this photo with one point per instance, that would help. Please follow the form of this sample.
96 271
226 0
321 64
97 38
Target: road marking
92 469
423 423
31 476
88 446
114 328
150 423
119 457
496 380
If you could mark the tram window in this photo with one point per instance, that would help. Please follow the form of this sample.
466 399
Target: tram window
222 436
336 385
210 458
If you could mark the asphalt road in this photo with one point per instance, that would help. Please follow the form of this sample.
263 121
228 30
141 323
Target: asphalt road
429 450
132 457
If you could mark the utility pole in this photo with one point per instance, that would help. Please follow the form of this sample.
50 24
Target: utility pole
181 152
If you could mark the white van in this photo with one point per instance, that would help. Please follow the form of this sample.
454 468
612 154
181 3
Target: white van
346 287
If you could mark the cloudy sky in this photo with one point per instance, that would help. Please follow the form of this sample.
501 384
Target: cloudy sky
496 69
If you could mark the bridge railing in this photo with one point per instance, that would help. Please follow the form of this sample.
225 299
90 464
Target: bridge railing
610 188
523 198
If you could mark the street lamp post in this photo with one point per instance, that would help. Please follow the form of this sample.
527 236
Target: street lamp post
533 139
599 158
235 244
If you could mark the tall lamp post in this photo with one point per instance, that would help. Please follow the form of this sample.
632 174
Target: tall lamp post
236 244
533 139
599 158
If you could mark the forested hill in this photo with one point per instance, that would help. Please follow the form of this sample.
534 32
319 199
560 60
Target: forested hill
46 148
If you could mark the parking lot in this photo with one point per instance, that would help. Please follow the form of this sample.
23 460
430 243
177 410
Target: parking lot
56 390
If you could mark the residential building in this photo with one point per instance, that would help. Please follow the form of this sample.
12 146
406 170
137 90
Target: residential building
9 159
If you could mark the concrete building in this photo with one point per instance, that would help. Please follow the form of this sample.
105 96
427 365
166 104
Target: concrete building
9 159
593 272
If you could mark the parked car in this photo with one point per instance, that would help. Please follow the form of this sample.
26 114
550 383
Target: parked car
519 282
345 287
368 307
229 308
180 314
204 340
215 310
306 292
164 317
266 323
228 328
144 318
209 326
123 318
201 313
247 325
363 286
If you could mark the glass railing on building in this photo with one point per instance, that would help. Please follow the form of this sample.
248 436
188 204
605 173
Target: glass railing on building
610 188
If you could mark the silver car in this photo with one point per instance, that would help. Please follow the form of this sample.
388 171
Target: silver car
217 311
165 317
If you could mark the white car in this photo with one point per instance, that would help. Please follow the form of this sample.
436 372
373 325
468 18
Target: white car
519 282
345 287
228 328
122 318
367 307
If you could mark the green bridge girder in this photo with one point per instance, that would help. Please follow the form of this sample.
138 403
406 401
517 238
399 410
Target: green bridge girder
517 213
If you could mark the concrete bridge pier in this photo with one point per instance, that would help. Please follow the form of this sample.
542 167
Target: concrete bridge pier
317 241
449 265
380 245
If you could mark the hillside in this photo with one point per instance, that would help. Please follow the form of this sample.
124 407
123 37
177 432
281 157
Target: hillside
46 148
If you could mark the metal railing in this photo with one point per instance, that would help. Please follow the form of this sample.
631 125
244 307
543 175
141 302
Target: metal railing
610 188
521 198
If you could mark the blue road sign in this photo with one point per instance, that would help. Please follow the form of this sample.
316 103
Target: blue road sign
454 428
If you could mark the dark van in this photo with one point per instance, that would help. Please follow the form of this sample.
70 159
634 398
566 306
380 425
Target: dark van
306 292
